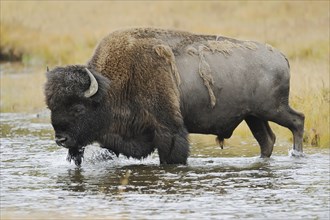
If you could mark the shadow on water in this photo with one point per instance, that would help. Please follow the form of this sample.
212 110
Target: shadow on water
229 183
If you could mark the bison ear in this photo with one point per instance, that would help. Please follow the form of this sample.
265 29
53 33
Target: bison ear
47 69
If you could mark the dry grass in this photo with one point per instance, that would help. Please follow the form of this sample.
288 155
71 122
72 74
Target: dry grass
41 33
21 90
66 32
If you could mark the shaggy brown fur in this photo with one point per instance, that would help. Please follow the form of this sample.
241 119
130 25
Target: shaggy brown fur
144 87
139 71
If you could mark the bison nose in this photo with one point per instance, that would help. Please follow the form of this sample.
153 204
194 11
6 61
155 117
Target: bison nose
61 140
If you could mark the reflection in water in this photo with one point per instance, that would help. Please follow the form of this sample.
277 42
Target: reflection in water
37 181
149 179
73 181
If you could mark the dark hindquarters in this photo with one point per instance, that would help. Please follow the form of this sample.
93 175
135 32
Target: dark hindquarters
263 133
273 106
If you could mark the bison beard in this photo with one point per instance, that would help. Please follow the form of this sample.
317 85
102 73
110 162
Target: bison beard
76 154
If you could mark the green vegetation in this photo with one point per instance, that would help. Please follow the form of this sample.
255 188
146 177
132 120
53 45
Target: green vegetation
38 34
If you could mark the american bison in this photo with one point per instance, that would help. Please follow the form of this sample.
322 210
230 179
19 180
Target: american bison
146 89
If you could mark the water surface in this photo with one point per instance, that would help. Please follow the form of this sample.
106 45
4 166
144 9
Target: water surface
38 183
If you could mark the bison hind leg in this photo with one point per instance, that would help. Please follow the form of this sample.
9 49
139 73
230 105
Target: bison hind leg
294 121
263 134
173 148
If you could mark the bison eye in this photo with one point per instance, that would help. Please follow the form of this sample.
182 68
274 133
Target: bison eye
78 109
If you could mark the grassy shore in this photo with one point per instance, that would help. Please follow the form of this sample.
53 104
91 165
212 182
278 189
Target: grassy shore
41 33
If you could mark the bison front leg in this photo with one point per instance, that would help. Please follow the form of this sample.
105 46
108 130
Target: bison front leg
173 148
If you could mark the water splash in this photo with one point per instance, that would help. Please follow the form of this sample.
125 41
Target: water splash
296 154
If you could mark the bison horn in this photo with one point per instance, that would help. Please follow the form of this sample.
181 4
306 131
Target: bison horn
93 86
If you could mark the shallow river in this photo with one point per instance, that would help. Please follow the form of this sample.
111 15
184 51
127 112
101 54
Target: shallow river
38 183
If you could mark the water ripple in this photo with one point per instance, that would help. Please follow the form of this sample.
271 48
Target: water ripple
36 181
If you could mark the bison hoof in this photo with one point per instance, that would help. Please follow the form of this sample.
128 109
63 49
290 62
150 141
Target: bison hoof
296 154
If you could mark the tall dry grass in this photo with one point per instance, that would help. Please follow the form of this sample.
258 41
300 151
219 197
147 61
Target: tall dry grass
41 33
64 32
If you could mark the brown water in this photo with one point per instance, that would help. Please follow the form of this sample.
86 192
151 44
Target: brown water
38 183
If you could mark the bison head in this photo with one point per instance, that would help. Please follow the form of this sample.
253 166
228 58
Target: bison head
77 98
